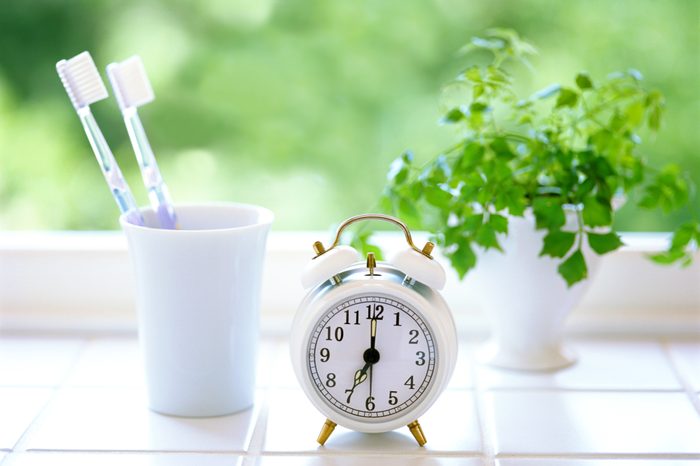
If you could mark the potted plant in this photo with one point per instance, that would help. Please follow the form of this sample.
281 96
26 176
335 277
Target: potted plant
530 188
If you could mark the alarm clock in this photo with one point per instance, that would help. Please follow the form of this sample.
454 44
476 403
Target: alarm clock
373 344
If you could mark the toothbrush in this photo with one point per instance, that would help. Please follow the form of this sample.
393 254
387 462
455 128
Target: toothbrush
84 87
132 89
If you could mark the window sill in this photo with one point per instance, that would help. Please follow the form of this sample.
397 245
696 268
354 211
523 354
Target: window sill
81 281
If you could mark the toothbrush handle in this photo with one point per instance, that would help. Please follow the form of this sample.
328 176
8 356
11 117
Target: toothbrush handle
110 169
152 179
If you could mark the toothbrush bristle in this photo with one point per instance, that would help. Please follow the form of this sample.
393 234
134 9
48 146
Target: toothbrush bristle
81 79
133 83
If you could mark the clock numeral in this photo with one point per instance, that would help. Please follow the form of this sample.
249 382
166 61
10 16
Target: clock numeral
338 334
421 358
409 383
375 312
347 317
325 354
397 323
330 380
414 337
349 391
369 404
392 398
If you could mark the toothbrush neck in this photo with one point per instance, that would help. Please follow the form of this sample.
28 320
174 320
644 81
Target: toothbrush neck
129 112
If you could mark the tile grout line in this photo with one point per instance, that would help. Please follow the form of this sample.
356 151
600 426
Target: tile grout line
19 446
258 433
6 453
584 390
488 450
687 386
601 456
40 451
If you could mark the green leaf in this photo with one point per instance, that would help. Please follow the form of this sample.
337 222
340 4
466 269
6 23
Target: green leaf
596 212
462 259
407 211
602 166
472 155
477 107
473 222
668 190
453 116
386 201
573 269
486 237
437 171
557 243
684 235
512 198
668 257
400 168
635 114
604 243
437 197
566 98
583 81
655 104
549 214
473 74
501 148
499 223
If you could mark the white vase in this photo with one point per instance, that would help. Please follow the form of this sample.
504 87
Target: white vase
526 300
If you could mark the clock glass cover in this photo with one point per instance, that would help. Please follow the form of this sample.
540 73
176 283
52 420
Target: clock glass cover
371 357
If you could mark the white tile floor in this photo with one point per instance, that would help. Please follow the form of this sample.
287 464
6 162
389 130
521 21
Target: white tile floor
80 401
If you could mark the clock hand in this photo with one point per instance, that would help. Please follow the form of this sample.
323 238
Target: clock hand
360 376
370 356
372 342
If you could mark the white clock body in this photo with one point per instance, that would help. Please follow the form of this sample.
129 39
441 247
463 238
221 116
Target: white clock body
415 340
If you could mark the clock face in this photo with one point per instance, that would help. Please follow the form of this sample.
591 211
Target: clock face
371 357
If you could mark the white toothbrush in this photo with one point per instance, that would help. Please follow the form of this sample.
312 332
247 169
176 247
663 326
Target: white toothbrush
132 89
84 87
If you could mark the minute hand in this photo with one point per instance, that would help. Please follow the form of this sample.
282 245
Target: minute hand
373 333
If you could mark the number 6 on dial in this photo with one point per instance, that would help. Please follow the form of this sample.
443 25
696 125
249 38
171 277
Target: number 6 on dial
373 345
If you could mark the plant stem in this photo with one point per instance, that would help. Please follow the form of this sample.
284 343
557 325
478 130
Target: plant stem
579 221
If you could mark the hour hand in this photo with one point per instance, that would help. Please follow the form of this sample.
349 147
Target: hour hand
360 376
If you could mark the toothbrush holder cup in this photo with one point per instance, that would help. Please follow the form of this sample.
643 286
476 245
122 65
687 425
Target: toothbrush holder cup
197 296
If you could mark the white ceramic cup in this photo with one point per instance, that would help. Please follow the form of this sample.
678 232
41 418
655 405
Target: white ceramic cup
197 295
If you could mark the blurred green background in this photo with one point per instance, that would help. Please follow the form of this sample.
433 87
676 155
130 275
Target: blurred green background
301 105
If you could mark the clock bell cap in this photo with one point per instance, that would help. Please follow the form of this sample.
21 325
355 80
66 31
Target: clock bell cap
326 265
424 269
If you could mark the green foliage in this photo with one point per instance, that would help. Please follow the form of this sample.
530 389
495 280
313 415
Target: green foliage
685 241
301 105
564 151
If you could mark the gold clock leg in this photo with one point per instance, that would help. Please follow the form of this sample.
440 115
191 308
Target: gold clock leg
417 432
326 431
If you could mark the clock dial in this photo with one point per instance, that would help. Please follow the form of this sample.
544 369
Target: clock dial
371 357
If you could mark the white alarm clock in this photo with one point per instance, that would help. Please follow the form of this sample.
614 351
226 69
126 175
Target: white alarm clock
373 345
